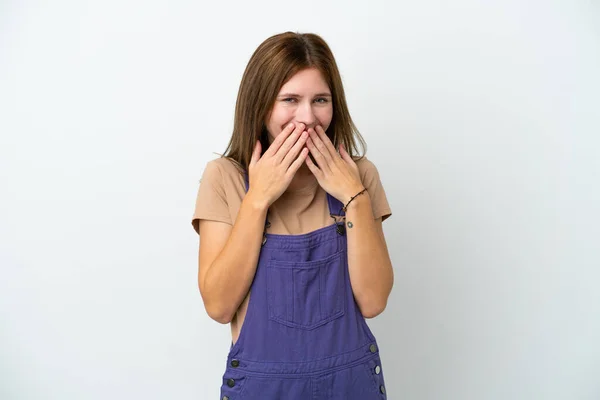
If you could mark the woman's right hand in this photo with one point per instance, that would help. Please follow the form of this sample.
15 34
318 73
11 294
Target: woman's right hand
271 174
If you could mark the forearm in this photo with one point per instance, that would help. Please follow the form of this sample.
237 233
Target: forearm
230 275
370 268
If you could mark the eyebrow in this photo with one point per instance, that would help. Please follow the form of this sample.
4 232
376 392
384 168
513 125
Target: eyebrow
297 95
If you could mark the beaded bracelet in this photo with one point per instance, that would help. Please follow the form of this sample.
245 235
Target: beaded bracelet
352 198
341 228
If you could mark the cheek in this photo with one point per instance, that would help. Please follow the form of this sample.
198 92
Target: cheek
280 117
276 122
325 116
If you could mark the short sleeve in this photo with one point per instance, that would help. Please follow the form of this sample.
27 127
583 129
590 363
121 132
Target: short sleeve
211 201
370 179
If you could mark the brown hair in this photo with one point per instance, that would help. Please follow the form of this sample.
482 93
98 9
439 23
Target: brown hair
274 62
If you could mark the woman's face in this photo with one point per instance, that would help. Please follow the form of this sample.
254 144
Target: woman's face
306 99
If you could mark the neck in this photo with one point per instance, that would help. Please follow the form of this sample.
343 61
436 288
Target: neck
303 178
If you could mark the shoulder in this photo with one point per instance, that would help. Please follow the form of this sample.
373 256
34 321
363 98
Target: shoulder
223 165
367 169
365 164
222 169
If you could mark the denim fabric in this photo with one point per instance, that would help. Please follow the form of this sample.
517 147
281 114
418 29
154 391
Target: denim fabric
303 337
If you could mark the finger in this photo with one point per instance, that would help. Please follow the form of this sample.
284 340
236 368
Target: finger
321 161
289 142
320 145
345 156
255 154
294 151
295 166
323 136
313 168
273 147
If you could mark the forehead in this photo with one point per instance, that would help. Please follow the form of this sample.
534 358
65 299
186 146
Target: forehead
307 80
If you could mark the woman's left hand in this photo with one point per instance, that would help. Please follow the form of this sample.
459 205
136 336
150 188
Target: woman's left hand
336 173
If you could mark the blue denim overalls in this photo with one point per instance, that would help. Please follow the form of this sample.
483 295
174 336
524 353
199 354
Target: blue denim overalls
303 337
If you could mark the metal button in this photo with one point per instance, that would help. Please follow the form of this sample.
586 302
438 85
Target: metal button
377 369
230 382
225 398
382 389
373 348
235 363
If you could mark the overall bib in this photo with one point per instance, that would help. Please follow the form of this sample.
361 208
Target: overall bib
303 337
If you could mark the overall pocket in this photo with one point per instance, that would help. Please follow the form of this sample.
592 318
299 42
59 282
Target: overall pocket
306 294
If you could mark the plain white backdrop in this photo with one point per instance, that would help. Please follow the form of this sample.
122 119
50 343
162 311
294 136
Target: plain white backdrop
482 117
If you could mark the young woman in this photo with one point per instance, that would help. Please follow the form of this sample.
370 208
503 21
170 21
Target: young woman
292 252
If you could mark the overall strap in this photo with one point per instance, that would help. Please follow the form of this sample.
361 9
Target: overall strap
246 181
336 209
335 206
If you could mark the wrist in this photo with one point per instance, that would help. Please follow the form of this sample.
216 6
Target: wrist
357 193
350 193
255 202
358 201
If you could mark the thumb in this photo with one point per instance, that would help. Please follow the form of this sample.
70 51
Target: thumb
255 154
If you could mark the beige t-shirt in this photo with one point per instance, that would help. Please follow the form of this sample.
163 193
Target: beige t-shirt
222 189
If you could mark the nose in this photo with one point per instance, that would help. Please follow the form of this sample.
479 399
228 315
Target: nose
305 114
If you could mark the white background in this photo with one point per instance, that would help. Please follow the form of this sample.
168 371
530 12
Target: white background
482 118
